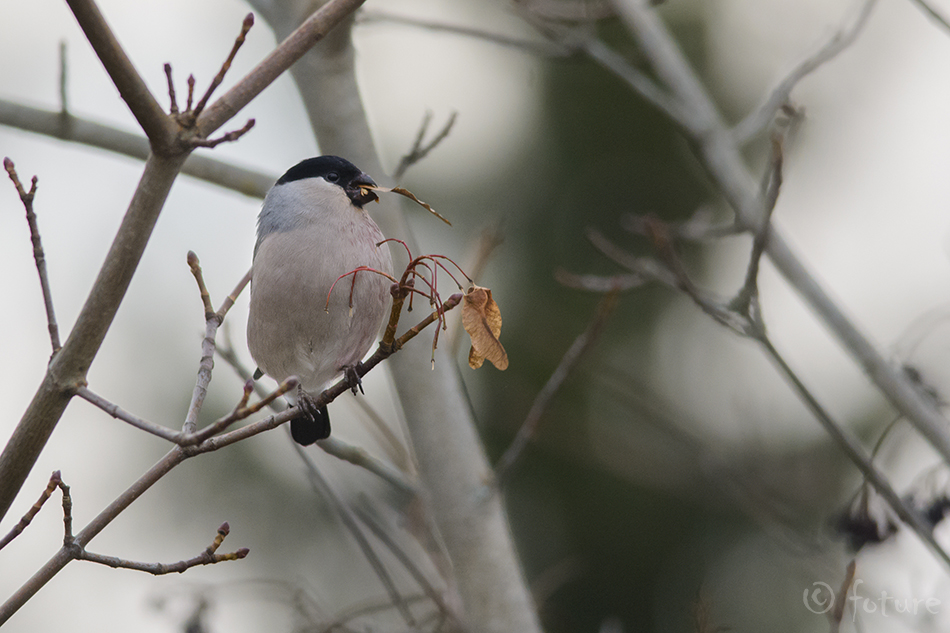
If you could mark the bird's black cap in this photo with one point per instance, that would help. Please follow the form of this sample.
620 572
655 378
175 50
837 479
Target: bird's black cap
334 170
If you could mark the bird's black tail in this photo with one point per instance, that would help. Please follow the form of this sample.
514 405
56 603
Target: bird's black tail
311 426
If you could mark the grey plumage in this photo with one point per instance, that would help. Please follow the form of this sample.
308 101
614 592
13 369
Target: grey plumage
312 229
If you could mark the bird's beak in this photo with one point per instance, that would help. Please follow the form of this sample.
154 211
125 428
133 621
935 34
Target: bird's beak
358 191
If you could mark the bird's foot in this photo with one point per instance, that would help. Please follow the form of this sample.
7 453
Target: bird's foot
353 380
313 423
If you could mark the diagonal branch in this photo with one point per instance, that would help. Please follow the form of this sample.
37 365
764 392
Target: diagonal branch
68 369
851 446
27 198
758 119
452 462
581 345
324 489
55 481
177 455
158 127
419 149
726 167
282 58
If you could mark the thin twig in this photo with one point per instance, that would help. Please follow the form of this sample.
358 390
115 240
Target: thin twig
172 97
55 481
419 150
717 151
380 533
855 453
63 78
213 320
121 414
238 42
358 456
581 345
38 255
331 445
239 413
758 119
542 48
746 300
600 283
195 266
207 557
206 363
283 57
700 227
322 486
339 623
836 615
228 137
159 128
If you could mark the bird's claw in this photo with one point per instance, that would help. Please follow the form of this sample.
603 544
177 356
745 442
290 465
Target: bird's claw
313 423
353 380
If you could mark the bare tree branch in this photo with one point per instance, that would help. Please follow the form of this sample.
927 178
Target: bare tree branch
758 119
419 150
39 257
453 465
578 349
382 534
856 454
160 130
540 47
724 163
207 557
322 486
68 369
121 414
55 481
332 445
68 127
185 451
218 78
282 58
743 316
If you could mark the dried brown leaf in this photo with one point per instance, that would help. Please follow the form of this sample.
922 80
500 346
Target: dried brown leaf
481 318
405 192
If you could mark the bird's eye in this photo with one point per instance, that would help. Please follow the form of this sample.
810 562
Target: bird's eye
333 176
